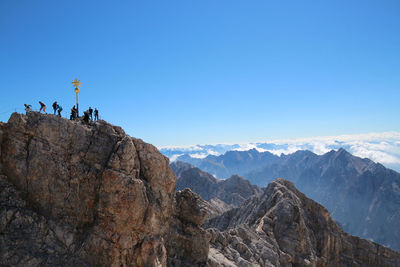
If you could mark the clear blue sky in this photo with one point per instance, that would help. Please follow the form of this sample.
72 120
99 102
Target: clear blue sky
189 72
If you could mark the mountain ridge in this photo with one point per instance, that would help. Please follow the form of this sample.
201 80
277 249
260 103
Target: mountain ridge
233 191
380 147
360 194
291 224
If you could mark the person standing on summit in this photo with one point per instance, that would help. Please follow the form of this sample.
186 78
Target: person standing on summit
55 107
59 108
42 107
90 113
96 114
28 108
73 113
86 117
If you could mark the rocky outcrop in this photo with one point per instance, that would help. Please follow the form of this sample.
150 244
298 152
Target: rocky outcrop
77 194
28 238
233 191
186 241
283 227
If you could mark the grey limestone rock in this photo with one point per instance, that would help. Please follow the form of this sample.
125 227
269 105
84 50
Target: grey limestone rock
283 227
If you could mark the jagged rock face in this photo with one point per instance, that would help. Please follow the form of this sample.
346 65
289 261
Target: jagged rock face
233 191
284 228
362 195
187 243
106 196
25 234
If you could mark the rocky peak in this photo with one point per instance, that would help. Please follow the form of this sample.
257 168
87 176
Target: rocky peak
232 191
107 197
283 227
179 167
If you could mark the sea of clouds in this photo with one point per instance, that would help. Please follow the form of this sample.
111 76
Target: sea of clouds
379 147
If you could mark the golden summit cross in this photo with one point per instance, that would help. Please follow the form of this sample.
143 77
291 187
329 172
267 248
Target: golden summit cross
77 83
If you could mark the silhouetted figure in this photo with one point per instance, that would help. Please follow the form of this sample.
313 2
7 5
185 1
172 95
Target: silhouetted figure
96 114
91 113
86 117
76 112
42 107
55 107
59 109
73 113
27 108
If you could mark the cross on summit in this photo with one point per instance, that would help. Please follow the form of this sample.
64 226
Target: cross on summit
77 83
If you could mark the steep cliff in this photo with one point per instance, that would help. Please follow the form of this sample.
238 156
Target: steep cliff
73 193
187 242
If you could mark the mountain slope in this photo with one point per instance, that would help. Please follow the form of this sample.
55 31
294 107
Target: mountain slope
283 227
232 191
362 195
231 163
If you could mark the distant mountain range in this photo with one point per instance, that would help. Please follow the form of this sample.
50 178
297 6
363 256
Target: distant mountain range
363 196
379 147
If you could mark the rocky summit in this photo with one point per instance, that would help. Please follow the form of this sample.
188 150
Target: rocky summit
73 194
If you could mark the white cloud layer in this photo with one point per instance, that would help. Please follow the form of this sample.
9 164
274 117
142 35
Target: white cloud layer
379 147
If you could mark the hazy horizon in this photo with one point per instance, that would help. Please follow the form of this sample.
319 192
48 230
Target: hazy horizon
383 148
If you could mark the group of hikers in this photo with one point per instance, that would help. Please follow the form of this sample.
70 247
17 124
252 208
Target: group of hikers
87 115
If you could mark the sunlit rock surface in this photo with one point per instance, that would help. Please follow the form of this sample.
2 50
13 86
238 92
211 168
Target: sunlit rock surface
78 194
283 227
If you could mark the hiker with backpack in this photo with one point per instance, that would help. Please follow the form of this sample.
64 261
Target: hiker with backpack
55 107
42 107
59 109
